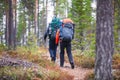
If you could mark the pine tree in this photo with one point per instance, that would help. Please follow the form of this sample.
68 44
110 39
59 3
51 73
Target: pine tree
104 40
81 14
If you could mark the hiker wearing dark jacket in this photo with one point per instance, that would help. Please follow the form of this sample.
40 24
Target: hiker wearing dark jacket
52 44
65 30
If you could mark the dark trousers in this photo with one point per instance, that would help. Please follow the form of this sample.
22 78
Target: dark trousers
66 45
52 49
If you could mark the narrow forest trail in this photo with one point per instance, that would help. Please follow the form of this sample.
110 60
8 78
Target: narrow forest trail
78 72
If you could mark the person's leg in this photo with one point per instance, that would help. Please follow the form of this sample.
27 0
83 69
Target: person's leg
68 48
51 51
54 52
61 54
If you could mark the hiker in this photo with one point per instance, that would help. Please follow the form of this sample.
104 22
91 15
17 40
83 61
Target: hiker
66 36
51 32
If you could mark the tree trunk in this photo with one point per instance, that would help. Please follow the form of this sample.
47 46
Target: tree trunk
10 27
36 16
38 32
104 40
14 21
29 28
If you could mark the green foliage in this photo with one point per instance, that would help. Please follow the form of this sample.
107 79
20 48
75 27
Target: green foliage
89 53
26 13
45 70
2 47
21 29
81 14
60 8
32 42
21 26
116 38
12 73
29 5
84 59
1 33
53 75
59 75
2 10
117 25
85 62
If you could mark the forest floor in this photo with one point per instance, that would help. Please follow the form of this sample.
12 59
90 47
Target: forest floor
78 72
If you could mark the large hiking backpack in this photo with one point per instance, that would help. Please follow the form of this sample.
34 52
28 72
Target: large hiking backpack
53 27
67 32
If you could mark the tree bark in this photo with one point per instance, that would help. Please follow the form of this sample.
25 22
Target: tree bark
38 32
10 27
36 16
104 40
14 21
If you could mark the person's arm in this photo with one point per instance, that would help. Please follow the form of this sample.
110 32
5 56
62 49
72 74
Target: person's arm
60 35
46 34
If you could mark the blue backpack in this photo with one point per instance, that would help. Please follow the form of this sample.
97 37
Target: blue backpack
53 27
66 33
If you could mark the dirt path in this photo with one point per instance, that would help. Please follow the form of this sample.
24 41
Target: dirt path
78 72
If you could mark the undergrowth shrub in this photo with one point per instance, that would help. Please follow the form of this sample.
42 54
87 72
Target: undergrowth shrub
116 61
25 50
52 72
31 45
116 75
90 75
60 75
19 73
54 75
13 73
85 60
32 57
2 47
65 76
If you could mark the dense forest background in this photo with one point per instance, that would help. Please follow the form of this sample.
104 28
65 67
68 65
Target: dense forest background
24 22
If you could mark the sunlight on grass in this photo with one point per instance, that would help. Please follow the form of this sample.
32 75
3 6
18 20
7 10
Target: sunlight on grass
47 70
13 73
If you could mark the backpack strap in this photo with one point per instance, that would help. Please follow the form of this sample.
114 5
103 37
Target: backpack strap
68 25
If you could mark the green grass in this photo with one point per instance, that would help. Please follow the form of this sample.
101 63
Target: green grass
47 69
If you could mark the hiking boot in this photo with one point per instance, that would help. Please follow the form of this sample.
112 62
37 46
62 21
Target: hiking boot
72 65
61 65
52 59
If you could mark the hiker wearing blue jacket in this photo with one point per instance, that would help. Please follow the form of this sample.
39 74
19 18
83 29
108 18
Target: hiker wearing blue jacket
51 33
66 36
